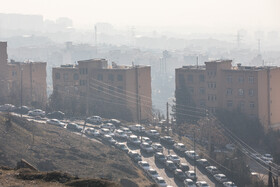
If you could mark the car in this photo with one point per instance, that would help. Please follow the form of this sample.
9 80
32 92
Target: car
184 167
144 165
256 156
153 134
115 122
180 147
169 165
37 112
267 157
134 140
180 175
105 131
7 108
191 154
55 115
74 127
212 170
109 139
174 158
191 175
126 131
146 139
220 177
157 147
122 147
160 181
146 147
167 140
202 162
160 157
94 120
202 184
229 184
109 126
134 156
120 134
152 173
92 132
137 128
56 122
22 110
189 183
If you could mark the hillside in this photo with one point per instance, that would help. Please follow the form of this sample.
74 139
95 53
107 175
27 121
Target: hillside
51 148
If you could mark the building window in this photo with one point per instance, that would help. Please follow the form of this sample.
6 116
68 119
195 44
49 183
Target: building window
229 91
229 103
14 73
100 77
111 77
251 79
65 76
229 79
211 85
202 103
212 97
190 78
83 82
240 92
120 78
191 90
252 105
75 76
251 92
201 78
242 105
86 71
241 79
57 75
201 91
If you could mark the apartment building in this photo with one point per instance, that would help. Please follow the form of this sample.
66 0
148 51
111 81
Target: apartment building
219 85
122 92
22 79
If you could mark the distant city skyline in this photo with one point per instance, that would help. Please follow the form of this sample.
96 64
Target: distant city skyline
197 15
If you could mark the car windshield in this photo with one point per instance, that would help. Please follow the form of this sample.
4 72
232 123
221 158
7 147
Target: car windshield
145 165
190 183
153 172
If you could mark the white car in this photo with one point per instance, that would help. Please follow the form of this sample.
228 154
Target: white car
152 173
220 177
202 184
137 128
104 131
120 134
108 126
134 140
109 139
174 158
144 165
126 131
267 157
180 147
56 122
92 132
146 147
153 133
160 181
192 154
146 139
189 183
229 184
94 119
212 170
37 112
191 175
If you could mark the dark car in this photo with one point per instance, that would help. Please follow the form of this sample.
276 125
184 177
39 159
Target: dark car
180 175
202 162
184 167
74 127
169 165
167 140
22 110
56 115
160 157
135 156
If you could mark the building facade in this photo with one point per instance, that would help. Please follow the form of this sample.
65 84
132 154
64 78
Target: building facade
219 85
26 80
122 92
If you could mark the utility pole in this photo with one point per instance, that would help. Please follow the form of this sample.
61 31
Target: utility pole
21 70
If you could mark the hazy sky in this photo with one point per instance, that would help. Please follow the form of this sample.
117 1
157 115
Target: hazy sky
220 15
